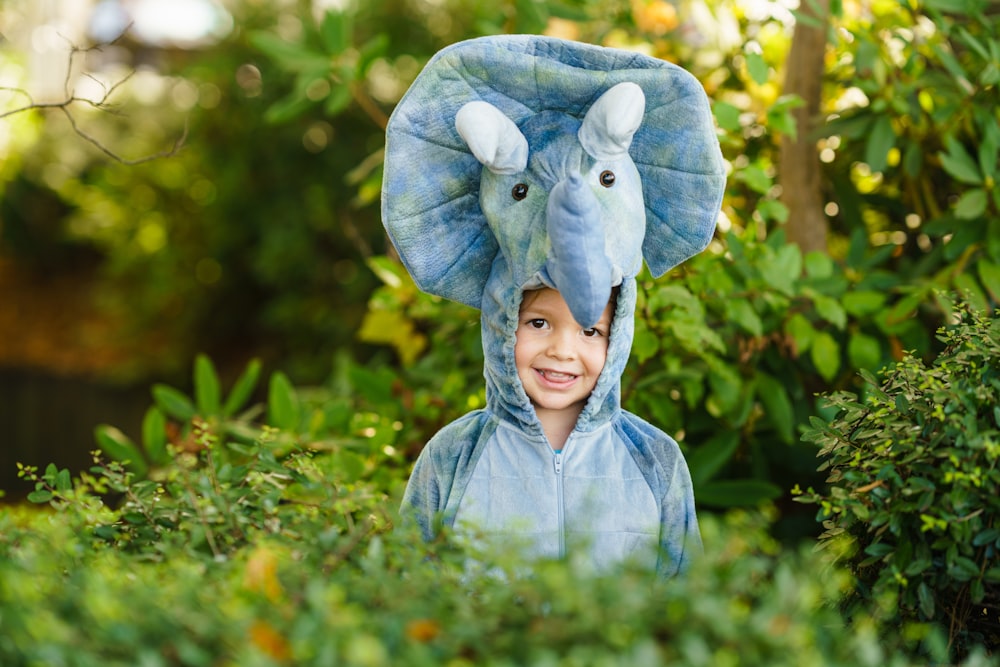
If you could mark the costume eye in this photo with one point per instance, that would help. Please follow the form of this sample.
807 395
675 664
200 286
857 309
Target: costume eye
519 191
607 178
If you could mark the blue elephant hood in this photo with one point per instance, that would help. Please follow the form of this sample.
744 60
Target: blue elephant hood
438 195
434 187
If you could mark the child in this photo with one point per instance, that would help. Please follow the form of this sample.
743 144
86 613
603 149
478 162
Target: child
558 362
528 176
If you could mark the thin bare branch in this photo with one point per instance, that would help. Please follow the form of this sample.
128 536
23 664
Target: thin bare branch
173 150
103 104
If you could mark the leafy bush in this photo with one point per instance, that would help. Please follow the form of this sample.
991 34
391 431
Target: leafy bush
915 486
305 571
914 140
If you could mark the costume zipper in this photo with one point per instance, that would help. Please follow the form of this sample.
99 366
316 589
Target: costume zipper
561 519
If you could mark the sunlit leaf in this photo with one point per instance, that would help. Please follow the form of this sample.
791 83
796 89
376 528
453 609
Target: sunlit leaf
757 67
830 310
863 302
173 402
727 116
282 403
880 141
118 446
825 355
335 30
207 392
989 274
959 164
777 406
742 313
864 351
154 436
242 389
972 204
645 343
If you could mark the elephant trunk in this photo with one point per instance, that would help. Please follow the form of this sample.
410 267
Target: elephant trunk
577 263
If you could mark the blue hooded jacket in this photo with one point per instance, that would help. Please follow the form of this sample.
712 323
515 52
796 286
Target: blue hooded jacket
571 165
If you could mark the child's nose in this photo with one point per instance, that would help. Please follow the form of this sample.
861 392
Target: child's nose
562 344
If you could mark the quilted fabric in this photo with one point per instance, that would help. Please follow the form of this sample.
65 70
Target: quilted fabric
431 186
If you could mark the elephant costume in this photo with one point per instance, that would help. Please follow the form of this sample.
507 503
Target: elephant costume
520 162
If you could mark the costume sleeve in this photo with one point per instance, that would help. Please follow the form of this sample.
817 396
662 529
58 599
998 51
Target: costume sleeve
680 538
422 499
442 471
662 464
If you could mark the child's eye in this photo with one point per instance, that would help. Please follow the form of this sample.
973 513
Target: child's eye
592 331
537 323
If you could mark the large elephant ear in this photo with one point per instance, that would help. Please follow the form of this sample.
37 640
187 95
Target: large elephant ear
430 189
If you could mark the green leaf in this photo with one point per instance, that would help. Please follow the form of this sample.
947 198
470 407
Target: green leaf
340 98
863 302
742 312
757 67
830 310
174 403
780 118
966 285
707 459
727 116
985 537
207 392
292 56
118 446
947 58
154 436
242 389
736 493
531 16
864 351
335 30
772 209
818 265
777 405
989 274
972 204
40 496
879 549
880 141
645 343
726 387
825 355
282 403
784 269
756 178
905 308
926 597
959 164
989 150
801 331
287 109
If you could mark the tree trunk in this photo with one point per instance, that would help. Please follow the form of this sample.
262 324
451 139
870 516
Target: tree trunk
799 167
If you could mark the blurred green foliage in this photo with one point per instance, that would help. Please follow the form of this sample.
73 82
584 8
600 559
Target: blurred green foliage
262 237
282 548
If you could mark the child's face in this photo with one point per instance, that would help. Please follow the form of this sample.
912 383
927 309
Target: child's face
558 362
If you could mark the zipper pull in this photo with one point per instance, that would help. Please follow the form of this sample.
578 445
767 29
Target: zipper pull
558 462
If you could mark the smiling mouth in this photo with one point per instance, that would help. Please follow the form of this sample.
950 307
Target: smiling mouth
556 376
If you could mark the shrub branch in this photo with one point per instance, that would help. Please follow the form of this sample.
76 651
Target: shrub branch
71 100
